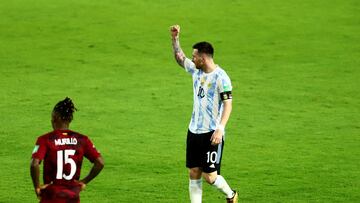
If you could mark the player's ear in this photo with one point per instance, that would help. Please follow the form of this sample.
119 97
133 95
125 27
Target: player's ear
55 116
203 57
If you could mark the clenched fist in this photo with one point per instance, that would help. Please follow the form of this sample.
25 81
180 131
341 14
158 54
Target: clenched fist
175 30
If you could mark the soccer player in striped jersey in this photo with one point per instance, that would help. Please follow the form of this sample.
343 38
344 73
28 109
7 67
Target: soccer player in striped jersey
62 151
211 111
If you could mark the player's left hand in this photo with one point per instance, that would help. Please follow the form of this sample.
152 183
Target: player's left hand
216 137
39 189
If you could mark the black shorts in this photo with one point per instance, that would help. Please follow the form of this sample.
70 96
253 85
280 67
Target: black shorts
200 153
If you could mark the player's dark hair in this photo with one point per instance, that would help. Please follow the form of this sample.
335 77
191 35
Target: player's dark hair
65 109
204 48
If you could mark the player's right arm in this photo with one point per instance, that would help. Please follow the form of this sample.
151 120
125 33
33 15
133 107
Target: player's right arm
95 157
98 165
178 52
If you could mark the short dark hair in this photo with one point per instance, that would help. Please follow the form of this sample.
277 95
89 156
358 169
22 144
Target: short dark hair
65 109
204 48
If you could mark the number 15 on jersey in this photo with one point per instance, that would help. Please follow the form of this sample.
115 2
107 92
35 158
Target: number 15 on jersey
63 157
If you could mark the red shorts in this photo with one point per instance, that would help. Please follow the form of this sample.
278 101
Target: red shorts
61 194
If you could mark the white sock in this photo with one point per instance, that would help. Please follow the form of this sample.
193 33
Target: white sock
195 190
221 184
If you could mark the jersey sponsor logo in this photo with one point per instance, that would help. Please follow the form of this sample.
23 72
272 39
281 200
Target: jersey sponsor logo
66 141
201 92
36 148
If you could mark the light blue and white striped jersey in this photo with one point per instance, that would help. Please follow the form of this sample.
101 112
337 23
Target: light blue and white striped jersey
208 106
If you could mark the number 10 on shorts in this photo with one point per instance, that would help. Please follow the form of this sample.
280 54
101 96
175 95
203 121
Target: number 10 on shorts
211 157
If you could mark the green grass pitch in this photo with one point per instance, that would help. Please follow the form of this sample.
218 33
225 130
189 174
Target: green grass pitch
294 133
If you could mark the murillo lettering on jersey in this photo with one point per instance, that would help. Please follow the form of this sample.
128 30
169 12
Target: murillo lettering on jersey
66 141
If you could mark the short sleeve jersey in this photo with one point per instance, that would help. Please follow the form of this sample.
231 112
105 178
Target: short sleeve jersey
63 152
208 106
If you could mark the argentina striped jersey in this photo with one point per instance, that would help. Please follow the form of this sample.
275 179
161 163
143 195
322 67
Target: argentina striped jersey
208 106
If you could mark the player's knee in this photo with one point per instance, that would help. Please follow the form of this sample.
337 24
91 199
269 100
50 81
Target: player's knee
195 173
210 177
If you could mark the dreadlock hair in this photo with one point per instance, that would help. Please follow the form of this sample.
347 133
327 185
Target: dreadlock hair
65 109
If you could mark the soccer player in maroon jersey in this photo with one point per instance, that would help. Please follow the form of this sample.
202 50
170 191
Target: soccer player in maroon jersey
62 151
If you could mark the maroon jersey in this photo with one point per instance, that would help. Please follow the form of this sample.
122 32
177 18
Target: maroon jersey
63 152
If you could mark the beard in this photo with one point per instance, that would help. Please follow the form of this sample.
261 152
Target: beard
197 65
